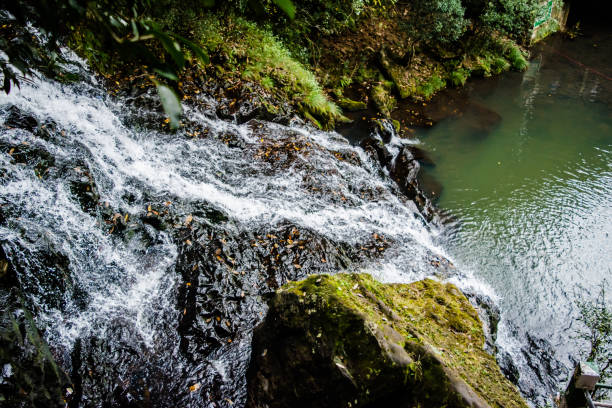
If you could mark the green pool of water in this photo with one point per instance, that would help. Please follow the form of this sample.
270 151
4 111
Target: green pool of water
526 170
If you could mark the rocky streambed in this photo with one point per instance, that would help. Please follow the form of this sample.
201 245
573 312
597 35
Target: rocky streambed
136 262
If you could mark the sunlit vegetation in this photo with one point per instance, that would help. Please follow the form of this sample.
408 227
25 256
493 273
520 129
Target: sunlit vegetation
302 53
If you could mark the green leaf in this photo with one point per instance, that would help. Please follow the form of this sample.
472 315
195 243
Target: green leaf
197 50
287 6
166 73
135 29
171 46
171 104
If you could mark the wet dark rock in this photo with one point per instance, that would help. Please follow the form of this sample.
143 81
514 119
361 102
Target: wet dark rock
224 274
34 156
247 102
541 371
430 185
489 314
546 370
508 367
22 120
375 147
346 340
29 375
8 277
404 172
421 155
82 186
150 111
43 271
384 129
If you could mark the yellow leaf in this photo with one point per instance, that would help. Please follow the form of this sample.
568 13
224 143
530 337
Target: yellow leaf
188 219
194 387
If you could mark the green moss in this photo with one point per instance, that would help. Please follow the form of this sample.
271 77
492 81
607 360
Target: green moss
351 105
244 49
499 65
516 58
431 86
426 314
396 125
382 98
458 77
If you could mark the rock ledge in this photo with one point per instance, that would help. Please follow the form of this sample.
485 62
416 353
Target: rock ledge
348 341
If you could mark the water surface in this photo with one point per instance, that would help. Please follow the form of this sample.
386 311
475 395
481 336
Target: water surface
525 164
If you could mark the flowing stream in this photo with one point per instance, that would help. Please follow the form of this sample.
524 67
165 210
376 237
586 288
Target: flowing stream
143 255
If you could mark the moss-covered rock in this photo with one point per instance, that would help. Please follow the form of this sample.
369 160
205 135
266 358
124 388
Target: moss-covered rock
383 100
349 341
351 105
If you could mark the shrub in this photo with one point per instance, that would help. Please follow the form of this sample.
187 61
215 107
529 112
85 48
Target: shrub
438 21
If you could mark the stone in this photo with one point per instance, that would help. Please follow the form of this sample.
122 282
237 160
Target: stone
376 149
346 340
385 129
351 105
19 119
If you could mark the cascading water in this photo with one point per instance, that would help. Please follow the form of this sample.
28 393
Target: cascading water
143 256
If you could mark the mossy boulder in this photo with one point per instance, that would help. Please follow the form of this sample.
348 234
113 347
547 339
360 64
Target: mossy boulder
383 100
348 341
351 105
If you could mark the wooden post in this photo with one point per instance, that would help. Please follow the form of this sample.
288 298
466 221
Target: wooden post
583 381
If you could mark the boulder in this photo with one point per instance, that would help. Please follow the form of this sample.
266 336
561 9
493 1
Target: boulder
348 341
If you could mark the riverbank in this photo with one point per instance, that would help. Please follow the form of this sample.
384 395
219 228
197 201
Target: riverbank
359 63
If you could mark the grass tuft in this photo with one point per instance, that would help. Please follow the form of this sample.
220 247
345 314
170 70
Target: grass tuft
516 58
433 85
255 54
458 77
